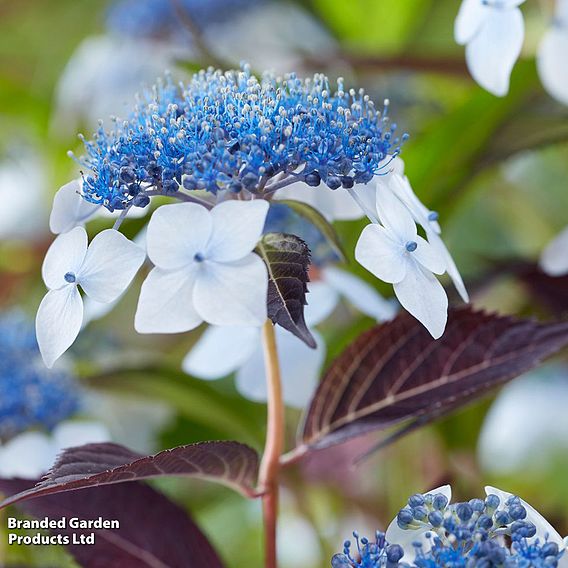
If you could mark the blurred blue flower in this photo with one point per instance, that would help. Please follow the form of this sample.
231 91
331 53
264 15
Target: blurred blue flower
161 18
31 396
231 131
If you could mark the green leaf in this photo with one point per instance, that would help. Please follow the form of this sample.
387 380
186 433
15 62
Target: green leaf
441 162
313 216
191 398
373 25
287 258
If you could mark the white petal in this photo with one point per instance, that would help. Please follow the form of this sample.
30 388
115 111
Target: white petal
77 433
27 456
551 61
365 195
220 351
237 228
322 300
492 53
554 259
391 166
428 256
363 296
70 209
58 322
406 537
166 302
469 20
543 528
380 254
66 254
451 267
423 296
394 214
176 233
299 365
110 264
337 204
232 293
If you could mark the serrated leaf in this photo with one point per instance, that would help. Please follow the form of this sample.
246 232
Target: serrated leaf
229 463
287 258
396 372
153 532
314 217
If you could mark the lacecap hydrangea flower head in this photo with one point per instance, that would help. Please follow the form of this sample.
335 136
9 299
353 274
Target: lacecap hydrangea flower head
500 531
222 147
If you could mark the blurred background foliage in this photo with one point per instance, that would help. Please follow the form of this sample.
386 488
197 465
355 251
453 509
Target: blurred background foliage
495 168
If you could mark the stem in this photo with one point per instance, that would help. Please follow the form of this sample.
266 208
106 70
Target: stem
270 466
289 180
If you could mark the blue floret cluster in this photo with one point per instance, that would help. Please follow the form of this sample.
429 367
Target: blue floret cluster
234 132
31 396
474 534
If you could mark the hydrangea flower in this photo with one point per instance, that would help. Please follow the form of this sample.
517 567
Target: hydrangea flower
233 133
300 365
205 269
31 395
461 535
554 258
551 56
493 33
160 18
104 269
392 250
224 145
35 405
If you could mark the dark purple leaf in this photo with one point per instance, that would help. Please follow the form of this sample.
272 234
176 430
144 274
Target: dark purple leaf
396 372
153 533
92 465
287 258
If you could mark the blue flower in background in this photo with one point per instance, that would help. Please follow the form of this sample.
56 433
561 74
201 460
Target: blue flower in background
31 396
231 131
161 18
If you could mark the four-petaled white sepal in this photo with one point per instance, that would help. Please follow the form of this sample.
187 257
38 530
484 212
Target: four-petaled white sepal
205 269
394 252
104 269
